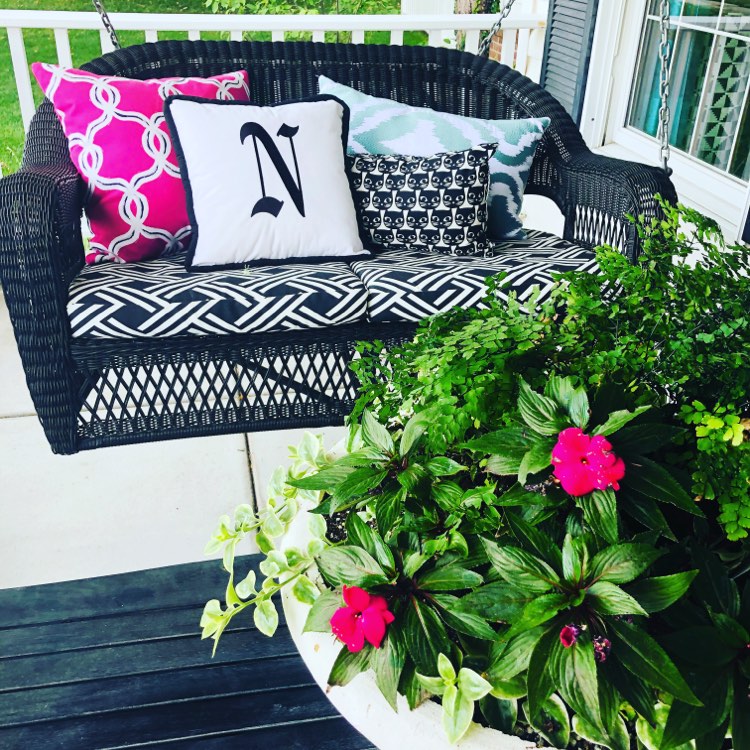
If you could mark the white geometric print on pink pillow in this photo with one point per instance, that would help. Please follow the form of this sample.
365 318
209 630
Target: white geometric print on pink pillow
120 144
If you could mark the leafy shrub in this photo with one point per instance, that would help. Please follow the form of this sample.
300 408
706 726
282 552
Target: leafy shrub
545 510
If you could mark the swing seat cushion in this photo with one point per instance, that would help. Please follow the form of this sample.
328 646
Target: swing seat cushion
404 285
160 298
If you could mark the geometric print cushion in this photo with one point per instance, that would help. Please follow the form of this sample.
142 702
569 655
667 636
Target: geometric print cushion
384 126
160 298
404 285
120 145
430 203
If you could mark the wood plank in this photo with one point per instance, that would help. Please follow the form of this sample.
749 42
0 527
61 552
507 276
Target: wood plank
97 696
172 720
177 586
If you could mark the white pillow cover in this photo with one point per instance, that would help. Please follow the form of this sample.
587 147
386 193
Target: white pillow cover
265 184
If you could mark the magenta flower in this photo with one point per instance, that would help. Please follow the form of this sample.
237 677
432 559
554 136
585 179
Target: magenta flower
602 647
584 463
364 618
569 635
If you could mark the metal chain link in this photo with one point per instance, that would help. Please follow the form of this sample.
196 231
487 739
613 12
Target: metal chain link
484 47
108 27
664 113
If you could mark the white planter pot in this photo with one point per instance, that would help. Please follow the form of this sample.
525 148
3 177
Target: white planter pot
362 704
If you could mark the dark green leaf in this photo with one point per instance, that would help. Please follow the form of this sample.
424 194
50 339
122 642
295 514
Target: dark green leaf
644 657
468 624
326 479
642 439
442 466
514 656
700 645
618 419
656 594
536 459
449 578
521 569
388 509
575 676
414 478
535 541
713 740
425 636
538 611
713 584
497 602
654 481
688 722
731 632
609 704
348 665
413 431
741 714
600 513
646 511
447 495
574 559
539 680
510 441
630 687
551 721
361 535
578 408
621 563
518 496
351 566
617 739
499 714
356 487
609 599
410 686
376 435
321 612
388 662
539 412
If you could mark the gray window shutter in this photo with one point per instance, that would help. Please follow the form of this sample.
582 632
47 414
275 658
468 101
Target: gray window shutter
567 51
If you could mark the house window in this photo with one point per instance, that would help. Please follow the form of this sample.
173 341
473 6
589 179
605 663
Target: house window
709 82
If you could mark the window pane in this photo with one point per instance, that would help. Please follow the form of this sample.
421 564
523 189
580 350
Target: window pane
702 12
741 159
644 110
654 8
728 77
736 17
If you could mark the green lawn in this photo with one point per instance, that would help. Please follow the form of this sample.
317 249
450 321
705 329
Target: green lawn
40 46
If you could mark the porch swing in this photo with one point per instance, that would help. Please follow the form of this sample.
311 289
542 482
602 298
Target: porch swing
91 392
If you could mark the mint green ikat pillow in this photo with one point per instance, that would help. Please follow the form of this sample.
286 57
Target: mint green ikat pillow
384 126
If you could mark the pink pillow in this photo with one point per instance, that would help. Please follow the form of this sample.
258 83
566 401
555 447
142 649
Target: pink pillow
120 144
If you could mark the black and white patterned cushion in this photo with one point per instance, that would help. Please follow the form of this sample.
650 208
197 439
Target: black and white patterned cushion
432 203
406 285
159 298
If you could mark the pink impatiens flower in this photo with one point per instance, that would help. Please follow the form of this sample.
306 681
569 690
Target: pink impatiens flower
363 619
569 635
584 463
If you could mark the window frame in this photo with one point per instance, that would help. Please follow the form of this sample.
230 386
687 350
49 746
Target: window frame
604 121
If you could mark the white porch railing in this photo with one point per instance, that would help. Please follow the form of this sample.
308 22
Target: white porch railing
522 39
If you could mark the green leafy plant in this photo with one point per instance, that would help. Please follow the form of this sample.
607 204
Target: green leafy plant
540 513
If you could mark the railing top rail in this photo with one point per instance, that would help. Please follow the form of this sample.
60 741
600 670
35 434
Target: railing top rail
42 19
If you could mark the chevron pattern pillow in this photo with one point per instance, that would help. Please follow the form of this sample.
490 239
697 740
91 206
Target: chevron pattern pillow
431 203
384 126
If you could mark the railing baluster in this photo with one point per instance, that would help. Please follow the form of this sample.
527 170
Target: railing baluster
277 36
358 36
62 42
21 72
471 43
194 35
235 36
508 49
397 36
319 36
151 35
105 42
435 38
522 51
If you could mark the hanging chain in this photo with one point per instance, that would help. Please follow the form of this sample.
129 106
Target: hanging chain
108 27
664 113
484 47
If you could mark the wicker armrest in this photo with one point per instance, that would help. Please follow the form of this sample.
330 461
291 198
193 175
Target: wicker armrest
40 252
597 193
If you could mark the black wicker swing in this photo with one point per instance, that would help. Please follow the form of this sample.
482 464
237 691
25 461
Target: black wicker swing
91 392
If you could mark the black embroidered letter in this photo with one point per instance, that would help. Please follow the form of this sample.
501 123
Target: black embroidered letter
268 204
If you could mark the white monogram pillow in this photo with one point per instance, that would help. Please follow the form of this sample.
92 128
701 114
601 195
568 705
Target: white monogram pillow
264 184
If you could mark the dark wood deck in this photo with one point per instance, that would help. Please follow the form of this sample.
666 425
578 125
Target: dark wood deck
117 662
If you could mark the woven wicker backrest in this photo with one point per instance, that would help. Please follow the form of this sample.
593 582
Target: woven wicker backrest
443 79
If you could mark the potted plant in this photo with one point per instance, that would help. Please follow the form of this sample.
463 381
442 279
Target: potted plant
540 518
